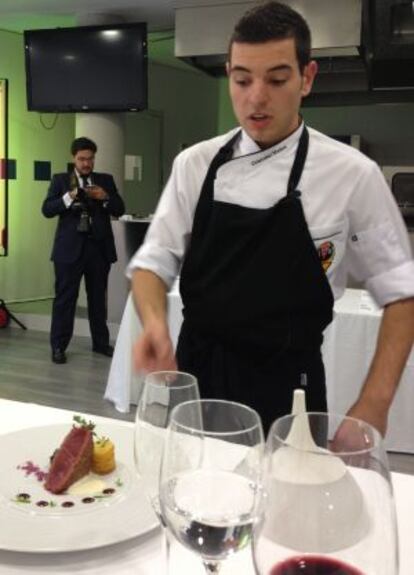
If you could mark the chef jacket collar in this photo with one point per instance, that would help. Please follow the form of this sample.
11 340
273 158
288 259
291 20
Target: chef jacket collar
246 145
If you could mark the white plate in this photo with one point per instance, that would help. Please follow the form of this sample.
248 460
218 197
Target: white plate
26 526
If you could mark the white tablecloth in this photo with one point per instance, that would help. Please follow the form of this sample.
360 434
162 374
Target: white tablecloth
348 348
142 556
124 385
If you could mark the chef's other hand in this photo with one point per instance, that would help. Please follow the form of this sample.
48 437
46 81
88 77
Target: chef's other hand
373 413
348 438
154 350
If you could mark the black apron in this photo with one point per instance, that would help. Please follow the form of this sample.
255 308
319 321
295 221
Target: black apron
256 299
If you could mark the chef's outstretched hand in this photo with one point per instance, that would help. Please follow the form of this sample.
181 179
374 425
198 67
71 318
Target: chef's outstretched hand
153 351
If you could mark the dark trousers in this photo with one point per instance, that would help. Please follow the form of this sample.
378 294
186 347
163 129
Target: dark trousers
263 380
93 266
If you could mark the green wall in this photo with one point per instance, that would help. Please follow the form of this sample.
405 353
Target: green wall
386 129
183 109
27 272
226 118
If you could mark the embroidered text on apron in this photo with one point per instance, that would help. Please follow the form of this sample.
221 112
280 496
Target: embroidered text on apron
256 299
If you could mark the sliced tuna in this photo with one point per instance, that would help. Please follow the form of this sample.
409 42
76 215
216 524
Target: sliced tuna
72 460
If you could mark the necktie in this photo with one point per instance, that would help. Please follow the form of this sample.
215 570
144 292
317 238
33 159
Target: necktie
85 181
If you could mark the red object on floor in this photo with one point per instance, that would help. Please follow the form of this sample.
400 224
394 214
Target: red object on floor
4 315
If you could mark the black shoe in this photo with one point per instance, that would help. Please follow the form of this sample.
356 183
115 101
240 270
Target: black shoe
107 350
58 355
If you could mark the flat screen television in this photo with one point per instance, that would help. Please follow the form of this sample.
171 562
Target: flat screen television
87 68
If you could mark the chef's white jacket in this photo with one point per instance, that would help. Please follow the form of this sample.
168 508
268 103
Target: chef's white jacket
345 198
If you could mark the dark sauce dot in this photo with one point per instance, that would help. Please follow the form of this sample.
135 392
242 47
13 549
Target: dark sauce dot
88 500
108 491
68 504
42 503
23 496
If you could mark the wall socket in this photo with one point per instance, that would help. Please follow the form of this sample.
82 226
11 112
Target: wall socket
133 168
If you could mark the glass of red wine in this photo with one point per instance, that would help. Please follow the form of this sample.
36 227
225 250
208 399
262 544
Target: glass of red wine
330 507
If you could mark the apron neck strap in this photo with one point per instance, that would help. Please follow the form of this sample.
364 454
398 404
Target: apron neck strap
299 163
226 152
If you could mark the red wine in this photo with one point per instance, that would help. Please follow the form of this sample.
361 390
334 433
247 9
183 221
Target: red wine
313 565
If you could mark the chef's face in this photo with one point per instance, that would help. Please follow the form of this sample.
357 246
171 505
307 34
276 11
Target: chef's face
266 88
84 161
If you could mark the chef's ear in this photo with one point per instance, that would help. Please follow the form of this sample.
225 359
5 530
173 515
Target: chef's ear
308 76
228 68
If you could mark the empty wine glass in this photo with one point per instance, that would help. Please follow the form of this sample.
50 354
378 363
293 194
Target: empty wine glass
210 483
163 390
330 507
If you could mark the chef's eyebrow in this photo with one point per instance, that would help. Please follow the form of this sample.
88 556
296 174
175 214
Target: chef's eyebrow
279 68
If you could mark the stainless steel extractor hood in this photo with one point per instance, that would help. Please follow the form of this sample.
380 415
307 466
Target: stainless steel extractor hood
202 32
357 42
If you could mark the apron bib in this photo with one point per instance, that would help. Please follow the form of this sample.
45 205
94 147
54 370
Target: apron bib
256 299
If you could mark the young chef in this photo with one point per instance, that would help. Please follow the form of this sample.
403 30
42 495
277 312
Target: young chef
263 224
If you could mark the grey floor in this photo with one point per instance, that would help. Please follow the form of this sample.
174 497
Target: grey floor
27 374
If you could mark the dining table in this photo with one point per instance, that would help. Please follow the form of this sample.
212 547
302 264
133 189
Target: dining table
348 347
140 555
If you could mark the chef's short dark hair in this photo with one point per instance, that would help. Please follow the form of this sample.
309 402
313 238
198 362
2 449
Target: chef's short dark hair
83 144
274 21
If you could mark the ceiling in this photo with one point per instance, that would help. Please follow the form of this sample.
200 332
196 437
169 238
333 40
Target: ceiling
16 15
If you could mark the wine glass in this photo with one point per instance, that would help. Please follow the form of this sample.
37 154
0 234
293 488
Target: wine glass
163 390
210 482
330 507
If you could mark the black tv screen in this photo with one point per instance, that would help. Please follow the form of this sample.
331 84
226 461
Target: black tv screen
86 69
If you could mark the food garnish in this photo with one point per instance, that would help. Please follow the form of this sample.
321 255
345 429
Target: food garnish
83 423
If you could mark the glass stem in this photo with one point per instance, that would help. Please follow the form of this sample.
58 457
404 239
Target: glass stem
165 543
211 566
166 548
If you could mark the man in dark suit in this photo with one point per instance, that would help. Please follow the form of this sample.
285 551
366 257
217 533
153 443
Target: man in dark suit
84 246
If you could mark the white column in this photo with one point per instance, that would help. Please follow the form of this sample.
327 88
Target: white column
107 130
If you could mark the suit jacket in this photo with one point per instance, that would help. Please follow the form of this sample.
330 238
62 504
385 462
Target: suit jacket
69 242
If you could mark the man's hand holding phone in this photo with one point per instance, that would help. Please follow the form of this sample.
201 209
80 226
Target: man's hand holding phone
96 193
